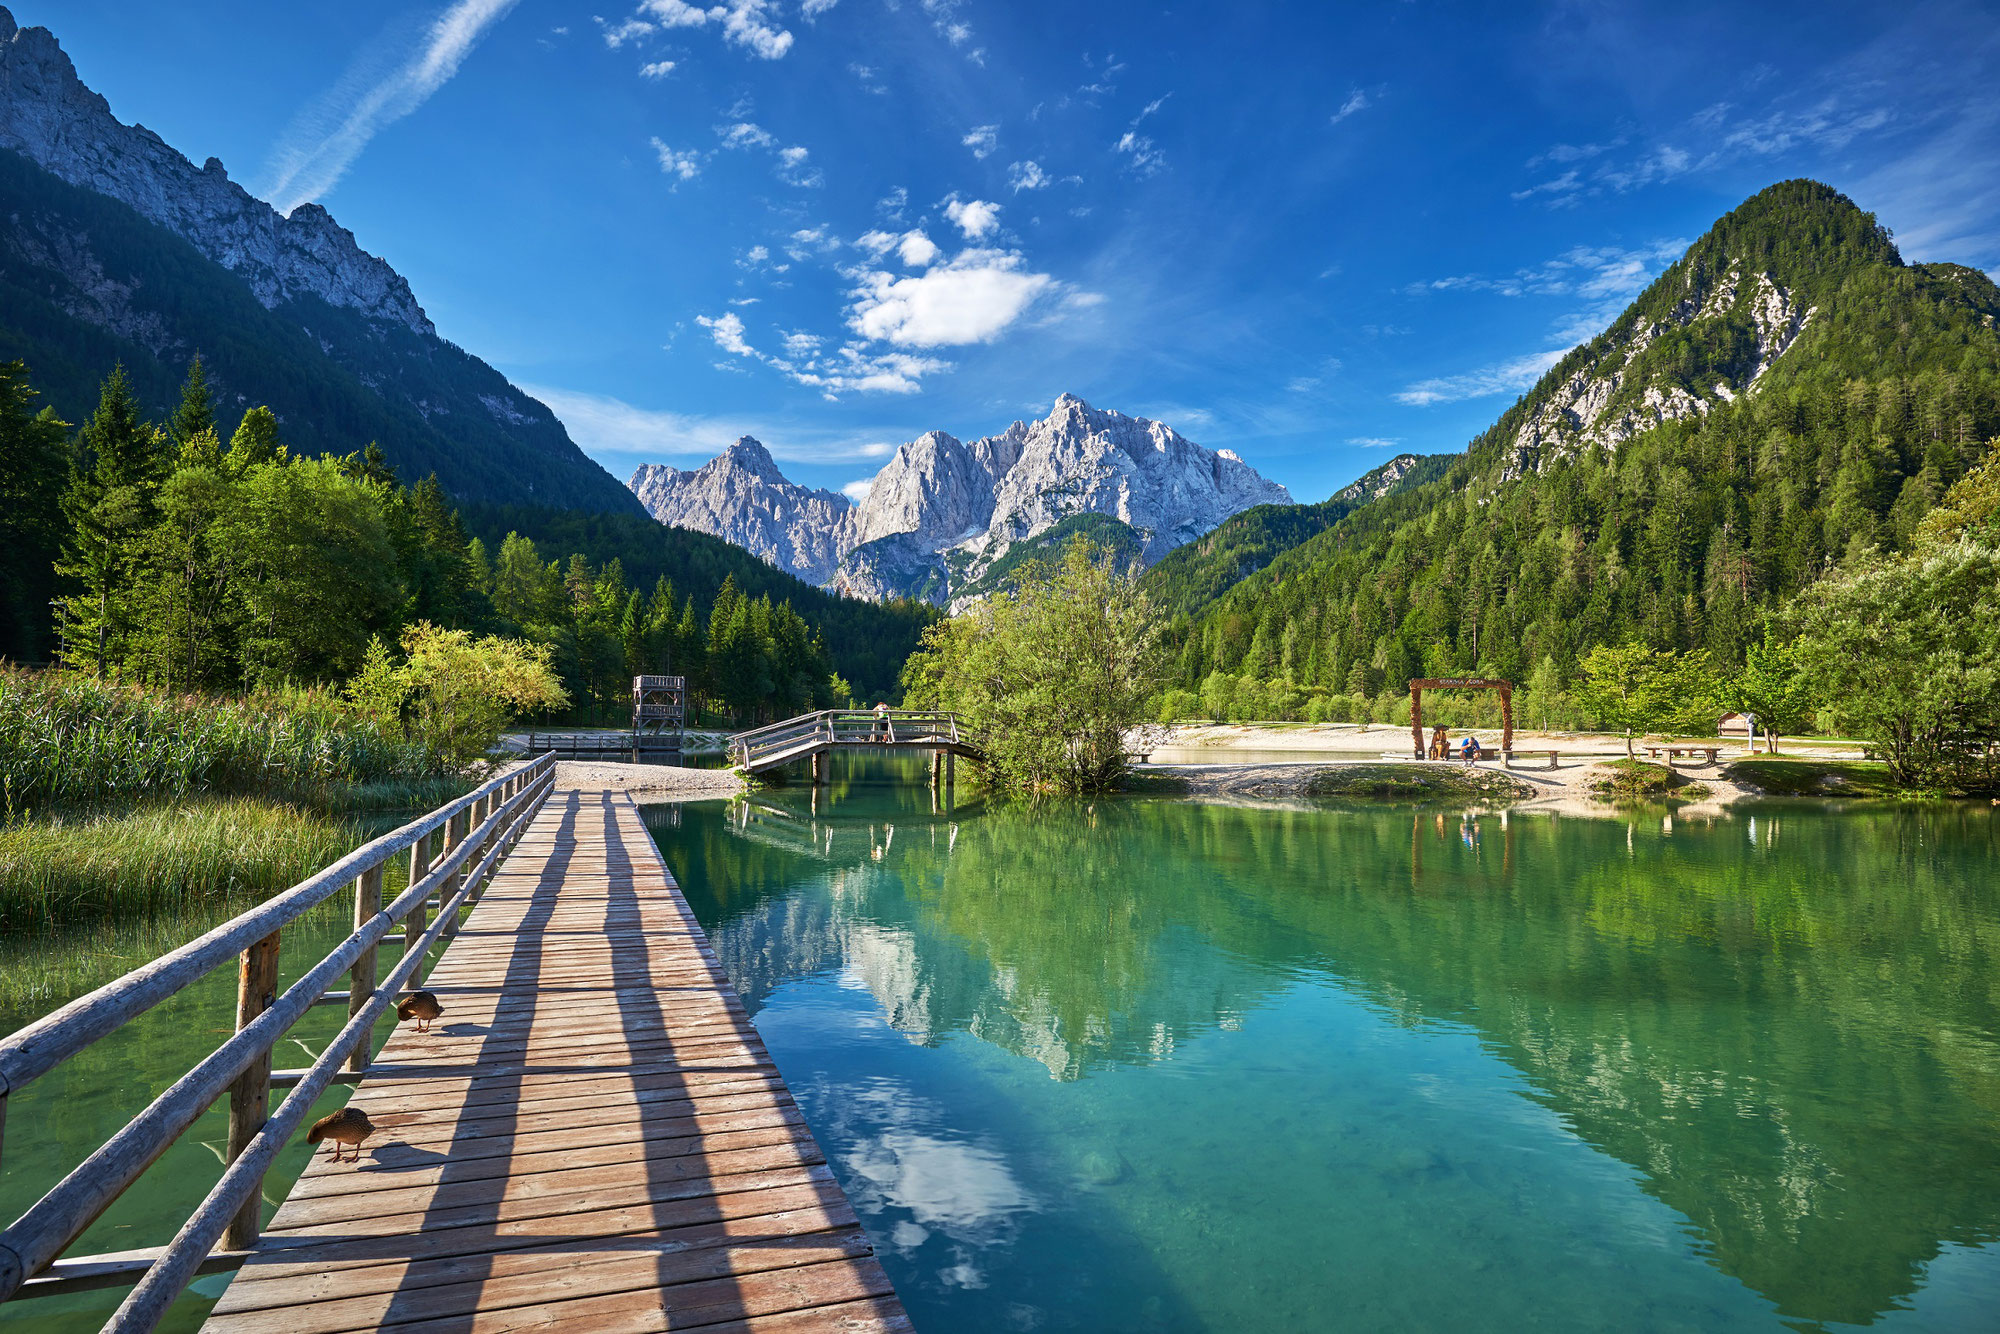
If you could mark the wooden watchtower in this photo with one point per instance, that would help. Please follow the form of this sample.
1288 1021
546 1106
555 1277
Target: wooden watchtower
659 704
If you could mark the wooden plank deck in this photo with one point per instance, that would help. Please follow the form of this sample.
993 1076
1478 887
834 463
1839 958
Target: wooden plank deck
592 1137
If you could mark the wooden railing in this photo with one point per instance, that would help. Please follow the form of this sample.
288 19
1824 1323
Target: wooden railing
453 853
915 728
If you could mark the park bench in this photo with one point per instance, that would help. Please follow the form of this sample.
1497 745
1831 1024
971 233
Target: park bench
1510 756
1675 752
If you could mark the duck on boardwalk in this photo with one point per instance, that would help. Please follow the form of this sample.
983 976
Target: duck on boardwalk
421 1006
349 1125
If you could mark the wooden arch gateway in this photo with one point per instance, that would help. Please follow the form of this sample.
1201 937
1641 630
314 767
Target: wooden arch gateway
1419 685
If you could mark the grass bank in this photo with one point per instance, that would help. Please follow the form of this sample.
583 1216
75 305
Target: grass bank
1639 780
1416 782
1814 778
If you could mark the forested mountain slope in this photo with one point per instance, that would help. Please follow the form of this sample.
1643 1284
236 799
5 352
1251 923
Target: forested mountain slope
1192 576
1788 393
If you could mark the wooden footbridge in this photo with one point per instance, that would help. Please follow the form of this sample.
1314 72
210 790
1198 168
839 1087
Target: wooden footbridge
592 1137
815 736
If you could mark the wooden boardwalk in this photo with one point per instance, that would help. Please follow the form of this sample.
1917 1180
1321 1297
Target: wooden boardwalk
593 1137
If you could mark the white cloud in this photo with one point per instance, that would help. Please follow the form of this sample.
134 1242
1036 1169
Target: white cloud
891 205
792 168
727 330
812 9
982 141
1514 376
972 298
685 165
857 491
802 344
1027 176
917 249
865 75
749 24
1146 159
1356 101
1374 441
744 134
617 34
323 142
975 217
754 256
658 69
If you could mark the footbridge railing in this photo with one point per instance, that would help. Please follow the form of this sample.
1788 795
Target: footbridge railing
815 733
453 853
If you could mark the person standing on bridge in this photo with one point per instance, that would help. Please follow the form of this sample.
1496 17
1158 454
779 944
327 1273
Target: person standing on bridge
881 722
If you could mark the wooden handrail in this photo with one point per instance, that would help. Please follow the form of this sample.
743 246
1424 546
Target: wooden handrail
905 727
27 1246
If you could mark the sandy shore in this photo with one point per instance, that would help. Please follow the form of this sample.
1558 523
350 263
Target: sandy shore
1570 786
657 781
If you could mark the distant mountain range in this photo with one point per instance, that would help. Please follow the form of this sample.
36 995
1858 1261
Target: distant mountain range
114 247
942 513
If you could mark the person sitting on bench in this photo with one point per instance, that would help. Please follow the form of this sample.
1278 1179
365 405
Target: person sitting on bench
1468 749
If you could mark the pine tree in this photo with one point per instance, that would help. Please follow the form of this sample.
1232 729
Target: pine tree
109 505
196 414
33 461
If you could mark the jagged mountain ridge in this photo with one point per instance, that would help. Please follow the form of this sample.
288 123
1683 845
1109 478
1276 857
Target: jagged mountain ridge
742 497
113 246
941 512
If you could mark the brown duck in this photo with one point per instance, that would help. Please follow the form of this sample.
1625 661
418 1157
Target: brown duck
349 1125
421 1006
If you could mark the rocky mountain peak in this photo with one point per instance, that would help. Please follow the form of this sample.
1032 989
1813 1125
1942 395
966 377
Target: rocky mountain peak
941 511
749 455
51 118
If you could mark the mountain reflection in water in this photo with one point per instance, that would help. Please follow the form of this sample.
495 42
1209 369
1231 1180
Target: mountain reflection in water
1785 1023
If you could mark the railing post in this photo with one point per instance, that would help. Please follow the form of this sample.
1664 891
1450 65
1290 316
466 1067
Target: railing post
361 978
250 1096
455 831
413 925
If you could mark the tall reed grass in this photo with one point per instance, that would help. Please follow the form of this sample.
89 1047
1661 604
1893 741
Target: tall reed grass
160 859
73 741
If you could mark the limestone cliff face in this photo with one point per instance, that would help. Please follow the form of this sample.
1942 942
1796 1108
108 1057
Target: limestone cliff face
741 497
48 116
942 511
1621 394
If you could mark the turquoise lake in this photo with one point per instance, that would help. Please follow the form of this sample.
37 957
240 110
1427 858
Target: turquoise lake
1158 1064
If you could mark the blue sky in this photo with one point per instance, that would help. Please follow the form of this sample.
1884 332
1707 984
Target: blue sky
1311 233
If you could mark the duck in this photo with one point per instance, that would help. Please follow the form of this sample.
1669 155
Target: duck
349 1125
421 1006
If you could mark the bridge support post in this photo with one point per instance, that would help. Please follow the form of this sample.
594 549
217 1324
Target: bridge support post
819 768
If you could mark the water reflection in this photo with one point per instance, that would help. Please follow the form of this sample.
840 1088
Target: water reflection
1788 1021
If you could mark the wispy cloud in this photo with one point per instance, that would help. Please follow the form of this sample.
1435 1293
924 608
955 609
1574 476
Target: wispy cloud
605 425
325 140
1375 441
1356 101
684 164
1507 376
982 140
1142 158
